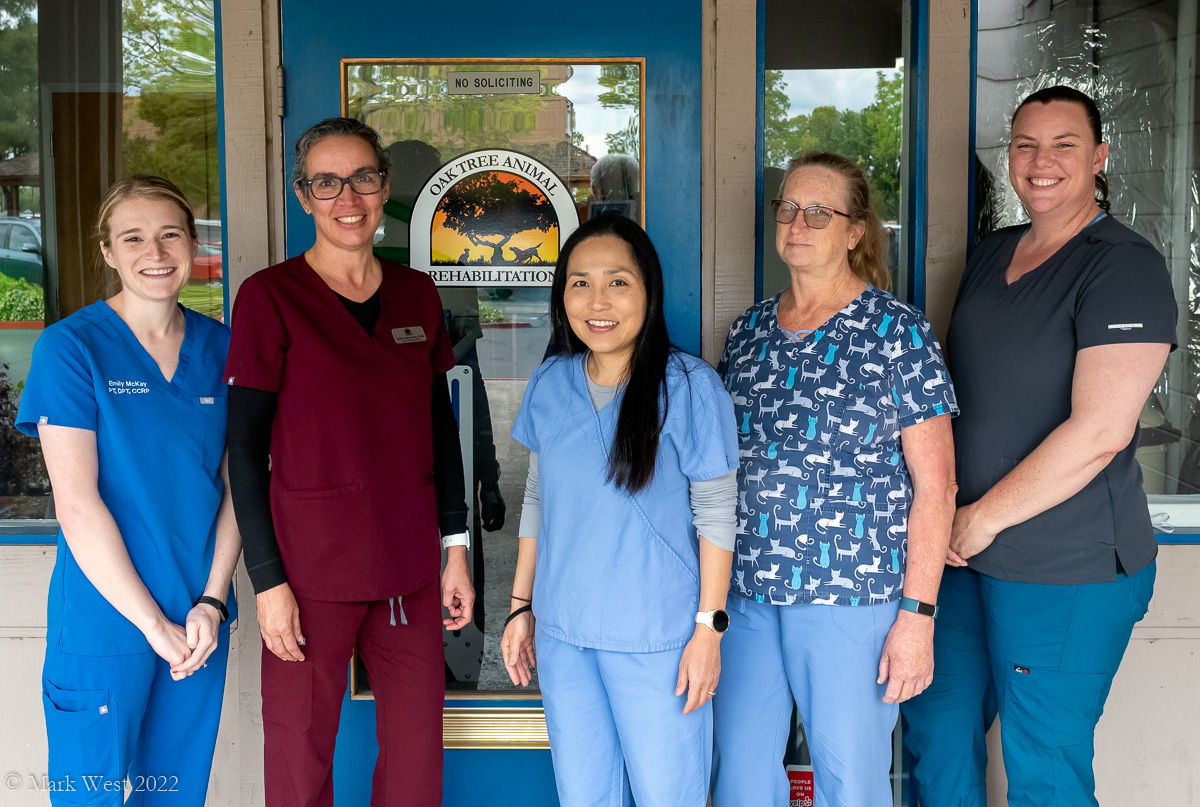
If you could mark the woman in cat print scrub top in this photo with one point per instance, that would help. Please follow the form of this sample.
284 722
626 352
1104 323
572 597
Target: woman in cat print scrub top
846 494
126 395
1053 550
625 535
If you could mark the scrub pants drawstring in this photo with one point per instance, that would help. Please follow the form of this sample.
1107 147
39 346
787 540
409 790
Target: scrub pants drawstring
393 604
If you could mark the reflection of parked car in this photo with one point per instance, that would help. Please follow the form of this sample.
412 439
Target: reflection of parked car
208 266
21 249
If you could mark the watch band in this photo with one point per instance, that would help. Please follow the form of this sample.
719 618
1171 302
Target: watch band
918 607
457 539
215 603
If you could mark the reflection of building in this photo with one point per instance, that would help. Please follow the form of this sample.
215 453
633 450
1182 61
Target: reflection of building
19 172
540 126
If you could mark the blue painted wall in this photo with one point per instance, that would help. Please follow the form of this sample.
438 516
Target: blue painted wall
316 34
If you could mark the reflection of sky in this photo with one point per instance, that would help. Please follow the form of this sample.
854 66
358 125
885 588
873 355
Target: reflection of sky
591 119
841 89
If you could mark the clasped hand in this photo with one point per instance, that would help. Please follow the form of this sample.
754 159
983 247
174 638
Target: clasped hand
970 535
187 648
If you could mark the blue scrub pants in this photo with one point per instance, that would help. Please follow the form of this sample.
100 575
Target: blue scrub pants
826 658
112 717
617 730
1041 656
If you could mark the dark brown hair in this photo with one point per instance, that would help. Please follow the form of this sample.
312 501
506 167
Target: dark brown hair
1061 92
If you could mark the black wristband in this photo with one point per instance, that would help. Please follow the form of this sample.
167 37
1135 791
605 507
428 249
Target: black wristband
517 613
215 603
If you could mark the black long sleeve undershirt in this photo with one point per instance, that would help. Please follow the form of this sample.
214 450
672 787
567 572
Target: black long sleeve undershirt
251 413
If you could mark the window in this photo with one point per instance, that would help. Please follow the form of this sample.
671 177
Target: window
835 82
124 88
1133 59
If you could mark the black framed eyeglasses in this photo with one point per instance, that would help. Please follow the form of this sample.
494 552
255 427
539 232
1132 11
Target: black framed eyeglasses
364 183
815 216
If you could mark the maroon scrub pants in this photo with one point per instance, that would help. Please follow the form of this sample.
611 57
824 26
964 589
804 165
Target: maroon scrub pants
302 701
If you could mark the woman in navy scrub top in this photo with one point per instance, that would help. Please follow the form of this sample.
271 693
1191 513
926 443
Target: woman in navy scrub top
1059 333
345 466
846 498
626 533
126 396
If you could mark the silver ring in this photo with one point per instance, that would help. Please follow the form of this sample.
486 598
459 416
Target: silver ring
712 692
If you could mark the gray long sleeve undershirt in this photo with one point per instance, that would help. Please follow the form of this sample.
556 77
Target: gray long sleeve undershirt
713 501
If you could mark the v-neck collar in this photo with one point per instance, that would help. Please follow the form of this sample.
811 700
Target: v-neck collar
185 348
587 390
777 330
332 299
1037 270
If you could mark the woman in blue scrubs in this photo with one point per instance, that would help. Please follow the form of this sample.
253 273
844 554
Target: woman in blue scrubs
126 395
626 533
1059 334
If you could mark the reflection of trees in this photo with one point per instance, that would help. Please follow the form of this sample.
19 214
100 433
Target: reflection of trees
168 45
627 140
487 205
622 85
623 89
186 148
18 78
871 138
171 83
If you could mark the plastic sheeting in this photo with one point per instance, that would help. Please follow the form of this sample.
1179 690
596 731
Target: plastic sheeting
1137 60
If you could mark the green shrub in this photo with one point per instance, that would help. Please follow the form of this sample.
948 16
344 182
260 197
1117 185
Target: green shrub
21 301
490 313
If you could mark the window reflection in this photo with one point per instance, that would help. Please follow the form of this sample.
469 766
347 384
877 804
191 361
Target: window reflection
124 87
1134 61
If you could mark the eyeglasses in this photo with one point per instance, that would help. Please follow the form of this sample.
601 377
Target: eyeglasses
815 216
364 184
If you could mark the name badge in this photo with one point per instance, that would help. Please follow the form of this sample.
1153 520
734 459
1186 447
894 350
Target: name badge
404 336
206 400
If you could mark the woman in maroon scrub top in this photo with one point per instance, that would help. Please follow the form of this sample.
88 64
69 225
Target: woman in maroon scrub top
344 467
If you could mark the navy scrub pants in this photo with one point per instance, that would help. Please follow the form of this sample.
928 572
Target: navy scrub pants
1041 656
112 717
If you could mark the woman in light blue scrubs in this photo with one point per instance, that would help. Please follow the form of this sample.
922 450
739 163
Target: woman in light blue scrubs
626 534
126 395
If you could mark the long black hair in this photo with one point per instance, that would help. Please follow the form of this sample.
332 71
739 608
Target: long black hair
639 424
1061 92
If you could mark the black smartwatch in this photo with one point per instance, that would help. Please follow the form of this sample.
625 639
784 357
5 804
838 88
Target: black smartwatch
716 620
918 607
215 603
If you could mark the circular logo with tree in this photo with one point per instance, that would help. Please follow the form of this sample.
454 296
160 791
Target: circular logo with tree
492 217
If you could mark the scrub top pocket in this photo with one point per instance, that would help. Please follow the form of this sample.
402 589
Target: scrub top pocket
84 738
213 415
